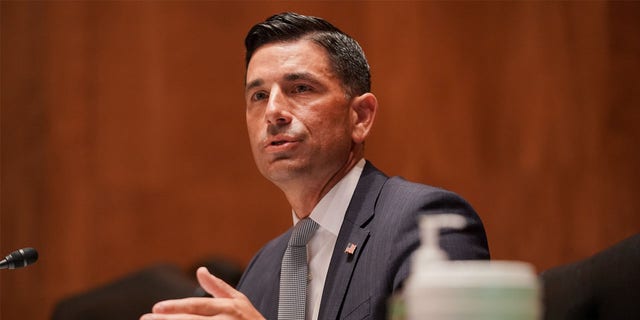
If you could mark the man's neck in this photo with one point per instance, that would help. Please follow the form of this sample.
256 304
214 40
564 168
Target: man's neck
305 195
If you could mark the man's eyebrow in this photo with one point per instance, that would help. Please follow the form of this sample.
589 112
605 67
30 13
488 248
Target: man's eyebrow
300 76
287 77
253 84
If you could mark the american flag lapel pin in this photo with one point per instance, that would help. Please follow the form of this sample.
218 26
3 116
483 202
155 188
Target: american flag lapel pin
351 248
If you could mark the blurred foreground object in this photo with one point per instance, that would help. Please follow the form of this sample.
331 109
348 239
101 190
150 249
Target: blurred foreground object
128 297
604 286
439 288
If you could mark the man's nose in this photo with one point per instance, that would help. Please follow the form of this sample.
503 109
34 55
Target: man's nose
277 111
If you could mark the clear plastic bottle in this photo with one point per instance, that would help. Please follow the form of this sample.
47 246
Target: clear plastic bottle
439 289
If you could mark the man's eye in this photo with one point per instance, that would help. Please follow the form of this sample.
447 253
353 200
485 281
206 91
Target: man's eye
259 96
301 88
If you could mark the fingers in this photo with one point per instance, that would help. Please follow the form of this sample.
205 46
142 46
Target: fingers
203 308
199 306
227 304
151 316
215 286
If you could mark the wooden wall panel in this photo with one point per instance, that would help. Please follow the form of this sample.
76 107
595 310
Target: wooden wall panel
124 143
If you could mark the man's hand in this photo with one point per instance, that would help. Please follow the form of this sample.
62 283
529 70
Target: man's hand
227 303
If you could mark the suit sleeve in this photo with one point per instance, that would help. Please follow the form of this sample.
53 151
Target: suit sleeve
400 206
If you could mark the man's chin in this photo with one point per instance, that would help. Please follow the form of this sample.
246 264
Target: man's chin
281 170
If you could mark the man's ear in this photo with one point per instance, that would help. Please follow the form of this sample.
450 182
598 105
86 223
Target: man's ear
363 112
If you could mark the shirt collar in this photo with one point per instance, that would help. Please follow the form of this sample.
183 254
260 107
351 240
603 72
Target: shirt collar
329 212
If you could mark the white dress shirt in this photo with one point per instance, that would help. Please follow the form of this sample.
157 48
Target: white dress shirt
329 214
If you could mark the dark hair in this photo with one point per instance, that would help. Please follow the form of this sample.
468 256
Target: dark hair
345 54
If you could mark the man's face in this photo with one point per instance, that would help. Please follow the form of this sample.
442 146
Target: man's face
298 116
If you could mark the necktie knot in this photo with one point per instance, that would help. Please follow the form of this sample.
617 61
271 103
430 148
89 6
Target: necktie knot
302 232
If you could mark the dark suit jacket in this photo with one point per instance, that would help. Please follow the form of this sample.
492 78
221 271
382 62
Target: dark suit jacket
382 221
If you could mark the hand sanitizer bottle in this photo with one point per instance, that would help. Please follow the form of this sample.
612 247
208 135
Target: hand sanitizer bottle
439 289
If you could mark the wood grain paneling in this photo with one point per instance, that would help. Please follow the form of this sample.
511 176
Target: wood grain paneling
124 143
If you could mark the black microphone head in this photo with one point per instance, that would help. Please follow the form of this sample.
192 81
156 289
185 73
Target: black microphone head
19 258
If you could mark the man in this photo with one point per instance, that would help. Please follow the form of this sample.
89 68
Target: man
309 110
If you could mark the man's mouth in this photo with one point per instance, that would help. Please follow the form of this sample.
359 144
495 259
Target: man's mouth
278 143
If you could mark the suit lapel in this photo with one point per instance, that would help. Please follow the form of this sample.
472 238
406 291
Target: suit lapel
353 232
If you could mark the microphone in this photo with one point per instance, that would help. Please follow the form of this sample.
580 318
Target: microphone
19 258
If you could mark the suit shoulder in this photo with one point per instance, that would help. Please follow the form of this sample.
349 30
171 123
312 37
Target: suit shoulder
397 189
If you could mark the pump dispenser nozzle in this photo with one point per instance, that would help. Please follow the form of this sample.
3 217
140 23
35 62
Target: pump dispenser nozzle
430 226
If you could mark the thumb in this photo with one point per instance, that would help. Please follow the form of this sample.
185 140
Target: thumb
214 285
